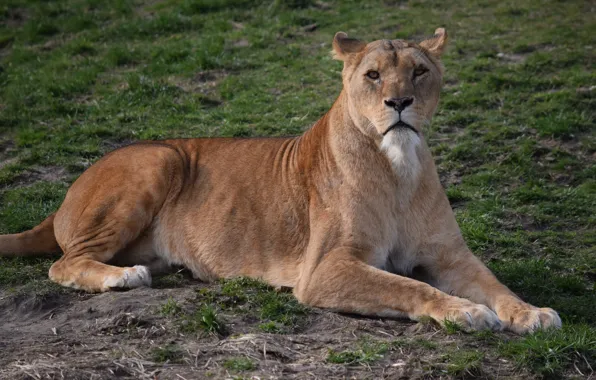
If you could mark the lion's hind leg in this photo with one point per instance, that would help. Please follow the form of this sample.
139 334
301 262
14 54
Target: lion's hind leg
83 265
91 242
108 209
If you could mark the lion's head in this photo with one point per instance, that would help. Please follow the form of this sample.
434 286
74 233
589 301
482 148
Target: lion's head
391 84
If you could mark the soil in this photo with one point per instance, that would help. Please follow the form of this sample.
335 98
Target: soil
203 82
113 335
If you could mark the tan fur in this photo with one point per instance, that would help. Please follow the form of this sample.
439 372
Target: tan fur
343 214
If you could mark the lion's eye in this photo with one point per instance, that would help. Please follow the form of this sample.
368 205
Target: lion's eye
420 70
373 74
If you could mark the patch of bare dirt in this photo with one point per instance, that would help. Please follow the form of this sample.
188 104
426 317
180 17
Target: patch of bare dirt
8 161
514 221
237 25
396 4
322 5
512 58
451 84
449 178
110 145
51 45
310 27
41 173
87 100
148 8
548 152
117 77
241 43
586 89
4 47
203 82
114 335
572 147
15 17
6 149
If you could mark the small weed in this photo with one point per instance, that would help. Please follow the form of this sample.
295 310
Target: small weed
346 357
239 364
368 352
271 327
465 363
418 343
171 353
236 289
282 308
452 327
170 307
206 295
204 319
424 343
209 320
488 336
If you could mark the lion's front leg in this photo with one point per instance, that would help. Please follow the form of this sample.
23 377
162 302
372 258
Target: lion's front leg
343 282
460 273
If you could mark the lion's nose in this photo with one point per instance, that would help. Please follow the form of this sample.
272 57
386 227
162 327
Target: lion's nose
399 104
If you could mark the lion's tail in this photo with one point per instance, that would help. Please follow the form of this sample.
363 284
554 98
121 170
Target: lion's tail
37 241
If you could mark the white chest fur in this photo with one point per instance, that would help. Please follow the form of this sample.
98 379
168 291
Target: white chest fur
401 149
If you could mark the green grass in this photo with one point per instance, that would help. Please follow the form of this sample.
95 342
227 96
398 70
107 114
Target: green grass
239 364
423 343
464 363
548 353
513 138
204 319
170 308
213 307
368 351
452 327
277 311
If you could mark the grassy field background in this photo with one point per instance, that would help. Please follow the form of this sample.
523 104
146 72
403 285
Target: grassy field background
514 140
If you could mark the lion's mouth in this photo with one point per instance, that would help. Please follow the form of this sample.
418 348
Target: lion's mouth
400 124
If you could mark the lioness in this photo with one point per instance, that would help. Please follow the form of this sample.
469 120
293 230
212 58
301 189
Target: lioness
351 214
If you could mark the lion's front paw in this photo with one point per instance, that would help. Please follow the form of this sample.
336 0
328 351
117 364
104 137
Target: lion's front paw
469 315
522 320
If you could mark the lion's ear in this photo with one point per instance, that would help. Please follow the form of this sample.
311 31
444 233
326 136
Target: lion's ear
437 43
343 46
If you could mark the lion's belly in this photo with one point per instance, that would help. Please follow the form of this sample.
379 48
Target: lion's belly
227 235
